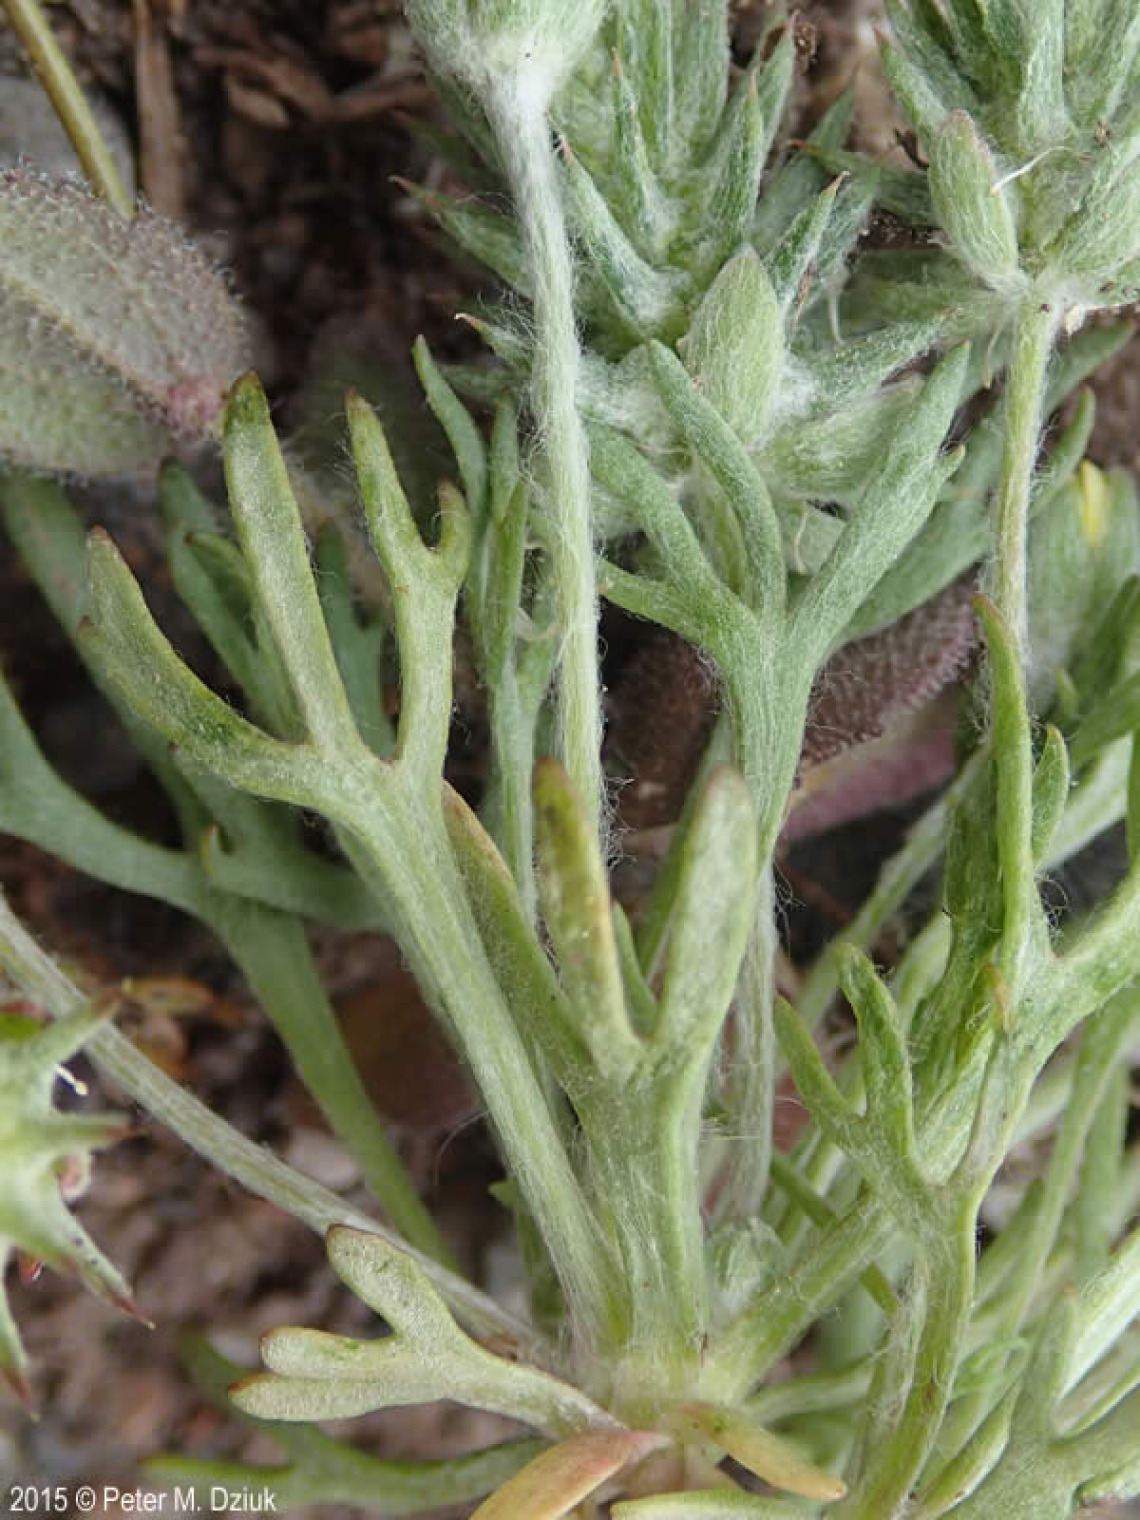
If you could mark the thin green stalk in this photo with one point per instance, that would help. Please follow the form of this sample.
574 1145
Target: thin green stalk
816 1392
768 721
768 1327
274 957
751 1083
254 1166
1103 1044
76 116
523 133
407 851
895 1466
1096 1066
268 946
1024 399
921 849
509 806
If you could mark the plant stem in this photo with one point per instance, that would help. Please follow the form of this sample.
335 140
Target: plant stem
508 809
751 1082
254 1166
275 959
405 850
1025 391
75 115
523 132
645 1170
895 1466
767 1328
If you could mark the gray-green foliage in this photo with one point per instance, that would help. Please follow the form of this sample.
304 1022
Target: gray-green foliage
722 415
46 1166
115 335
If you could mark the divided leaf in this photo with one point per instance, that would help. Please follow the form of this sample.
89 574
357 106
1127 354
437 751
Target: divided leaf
426 1356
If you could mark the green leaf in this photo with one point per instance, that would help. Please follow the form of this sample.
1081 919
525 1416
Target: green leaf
1051 781
576 906
641 202
712 440
315 1376
37 1144
212 577
488 236
926 81
1106 1305
714 903
770 1456
1084 544
892 511
358 638
424 584
737 162
882 1051
269 529
906 192
459 425
800 179
792 262
969 1468
708 1504
1114 1487
648 301
1041 109
131 654
701 69
1011 744
1100 237
522 967
734 348
971 205
815 1084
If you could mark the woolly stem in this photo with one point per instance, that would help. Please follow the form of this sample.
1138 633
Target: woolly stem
518 111
1025 393
896 1464
751 1080
62 89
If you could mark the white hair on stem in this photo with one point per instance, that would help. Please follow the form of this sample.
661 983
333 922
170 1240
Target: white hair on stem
518 112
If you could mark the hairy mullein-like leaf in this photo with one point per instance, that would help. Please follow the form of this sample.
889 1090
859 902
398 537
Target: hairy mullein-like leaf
114 334
44 1160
